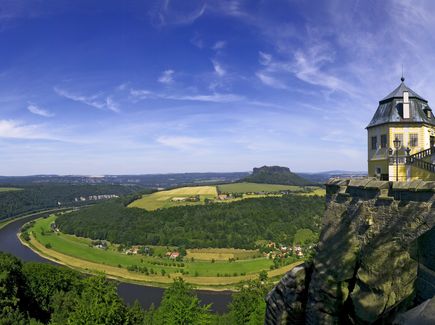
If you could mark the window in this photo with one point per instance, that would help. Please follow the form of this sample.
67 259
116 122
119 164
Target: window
413 140
383 141
374 143
400 137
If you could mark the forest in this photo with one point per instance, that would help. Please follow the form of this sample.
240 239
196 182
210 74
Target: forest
238 224
37 293
43 196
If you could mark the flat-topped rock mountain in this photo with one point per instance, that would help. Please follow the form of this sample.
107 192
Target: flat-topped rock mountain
275 175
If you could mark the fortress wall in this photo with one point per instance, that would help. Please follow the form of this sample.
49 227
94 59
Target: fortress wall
373 254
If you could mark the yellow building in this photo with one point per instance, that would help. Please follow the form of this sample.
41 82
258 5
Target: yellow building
401 137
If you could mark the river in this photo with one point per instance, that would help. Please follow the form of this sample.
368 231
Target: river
146 295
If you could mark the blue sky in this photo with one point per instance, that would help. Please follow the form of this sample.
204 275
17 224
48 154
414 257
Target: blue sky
134 87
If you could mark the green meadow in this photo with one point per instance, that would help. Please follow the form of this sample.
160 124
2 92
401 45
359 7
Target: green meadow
257 187
205 271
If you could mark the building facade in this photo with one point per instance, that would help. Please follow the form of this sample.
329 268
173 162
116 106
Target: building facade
401 137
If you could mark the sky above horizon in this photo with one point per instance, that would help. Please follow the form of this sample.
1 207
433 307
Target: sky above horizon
139 87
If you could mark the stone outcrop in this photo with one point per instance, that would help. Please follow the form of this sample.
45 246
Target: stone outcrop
370 258
286 302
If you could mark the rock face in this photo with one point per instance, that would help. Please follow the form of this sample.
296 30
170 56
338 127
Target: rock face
286 302
366 268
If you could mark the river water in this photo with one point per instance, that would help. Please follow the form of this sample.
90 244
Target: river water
129 292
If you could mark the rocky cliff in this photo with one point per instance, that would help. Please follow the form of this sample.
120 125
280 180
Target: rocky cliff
375 257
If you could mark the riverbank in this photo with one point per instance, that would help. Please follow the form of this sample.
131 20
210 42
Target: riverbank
8 221
130 292
78 254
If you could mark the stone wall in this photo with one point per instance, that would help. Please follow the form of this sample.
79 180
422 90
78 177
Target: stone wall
367 264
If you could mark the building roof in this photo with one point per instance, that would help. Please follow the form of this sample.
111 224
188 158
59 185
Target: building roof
390 109
398 93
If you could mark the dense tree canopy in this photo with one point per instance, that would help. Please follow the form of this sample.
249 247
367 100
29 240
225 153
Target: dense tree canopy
36 293
239 224
37 197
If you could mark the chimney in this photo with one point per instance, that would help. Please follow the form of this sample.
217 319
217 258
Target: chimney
405 104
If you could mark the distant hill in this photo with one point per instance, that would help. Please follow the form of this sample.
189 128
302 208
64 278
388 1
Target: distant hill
322 177
275 175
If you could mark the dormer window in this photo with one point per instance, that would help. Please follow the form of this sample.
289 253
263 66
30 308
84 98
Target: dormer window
427 112
406 113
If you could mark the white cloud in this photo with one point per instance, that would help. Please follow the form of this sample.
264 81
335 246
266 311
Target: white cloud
122 86
112 105
219 45
179 142
95 101
171 13
265 58
35 109
167 77
18 130
88 100
270 81
141 93
214 97
219 70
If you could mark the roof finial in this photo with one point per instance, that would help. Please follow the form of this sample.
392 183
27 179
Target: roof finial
403 79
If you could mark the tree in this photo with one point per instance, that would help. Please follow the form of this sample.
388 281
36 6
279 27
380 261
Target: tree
248 305
12 285
43 281
262 276
135 315
181 306
98 304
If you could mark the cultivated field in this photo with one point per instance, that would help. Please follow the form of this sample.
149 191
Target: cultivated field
165 199
9 189
221 254
173 198
79 253
256 187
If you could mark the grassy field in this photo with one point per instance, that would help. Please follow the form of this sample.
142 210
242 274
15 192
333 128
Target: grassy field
80 254
9 189
316 191
165 199
221 254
